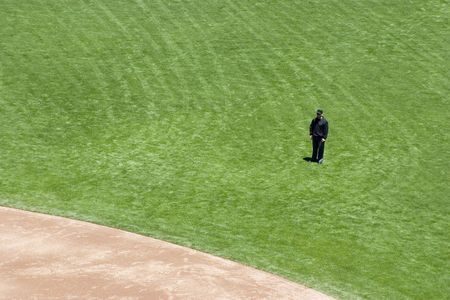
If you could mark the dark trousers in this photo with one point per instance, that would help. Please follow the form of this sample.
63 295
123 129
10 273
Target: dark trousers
318 148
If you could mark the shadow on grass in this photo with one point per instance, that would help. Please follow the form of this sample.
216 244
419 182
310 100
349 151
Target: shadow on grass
307 159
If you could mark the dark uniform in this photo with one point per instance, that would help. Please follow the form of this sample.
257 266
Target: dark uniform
318 130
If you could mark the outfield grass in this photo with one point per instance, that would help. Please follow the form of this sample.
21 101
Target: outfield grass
188 121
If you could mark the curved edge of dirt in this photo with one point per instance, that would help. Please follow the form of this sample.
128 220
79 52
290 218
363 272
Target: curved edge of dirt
43 256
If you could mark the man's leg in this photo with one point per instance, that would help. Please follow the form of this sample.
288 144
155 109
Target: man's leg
321 151
315 144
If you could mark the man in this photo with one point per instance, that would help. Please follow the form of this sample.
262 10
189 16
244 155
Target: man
318 132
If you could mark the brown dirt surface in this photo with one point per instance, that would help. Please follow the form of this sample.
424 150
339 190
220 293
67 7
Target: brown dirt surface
48 257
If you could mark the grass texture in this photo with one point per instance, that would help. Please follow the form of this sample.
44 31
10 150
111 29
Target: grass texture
188 121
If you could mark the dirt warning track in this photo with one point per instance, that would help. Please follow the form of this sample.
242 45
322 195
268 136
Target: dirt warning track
47 257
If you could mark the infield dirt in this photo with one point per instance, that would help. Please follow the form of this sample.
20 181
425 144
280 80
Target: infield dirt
44 257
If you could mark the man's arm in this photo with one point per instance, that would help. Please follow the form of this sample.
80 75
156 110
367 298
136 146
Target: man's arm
325 130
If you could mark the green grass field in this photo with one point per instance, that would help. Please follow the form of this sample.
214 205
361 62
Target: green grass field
188 121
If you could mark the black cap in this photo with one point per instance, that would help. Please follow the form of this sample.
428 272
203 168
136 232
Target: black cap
319 111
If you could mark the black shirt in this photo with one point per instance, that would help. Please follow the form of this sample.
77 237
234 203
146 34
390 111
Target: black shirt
319 128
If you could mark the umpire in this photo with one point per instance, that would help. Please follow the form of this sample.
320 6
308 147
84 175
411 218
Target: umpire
318 131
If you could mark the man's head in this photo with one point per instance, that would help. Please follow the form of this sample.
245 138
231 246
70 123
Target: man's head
319 114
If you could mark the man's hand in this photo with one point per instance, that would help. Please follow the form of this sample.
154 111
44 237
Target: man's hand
310 136
323 140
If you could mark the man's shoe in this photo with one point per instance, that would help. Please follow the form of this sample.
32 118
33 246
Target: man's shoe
320 161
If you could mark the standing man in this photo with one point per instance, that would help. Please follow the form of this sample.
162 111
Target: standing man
318 132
